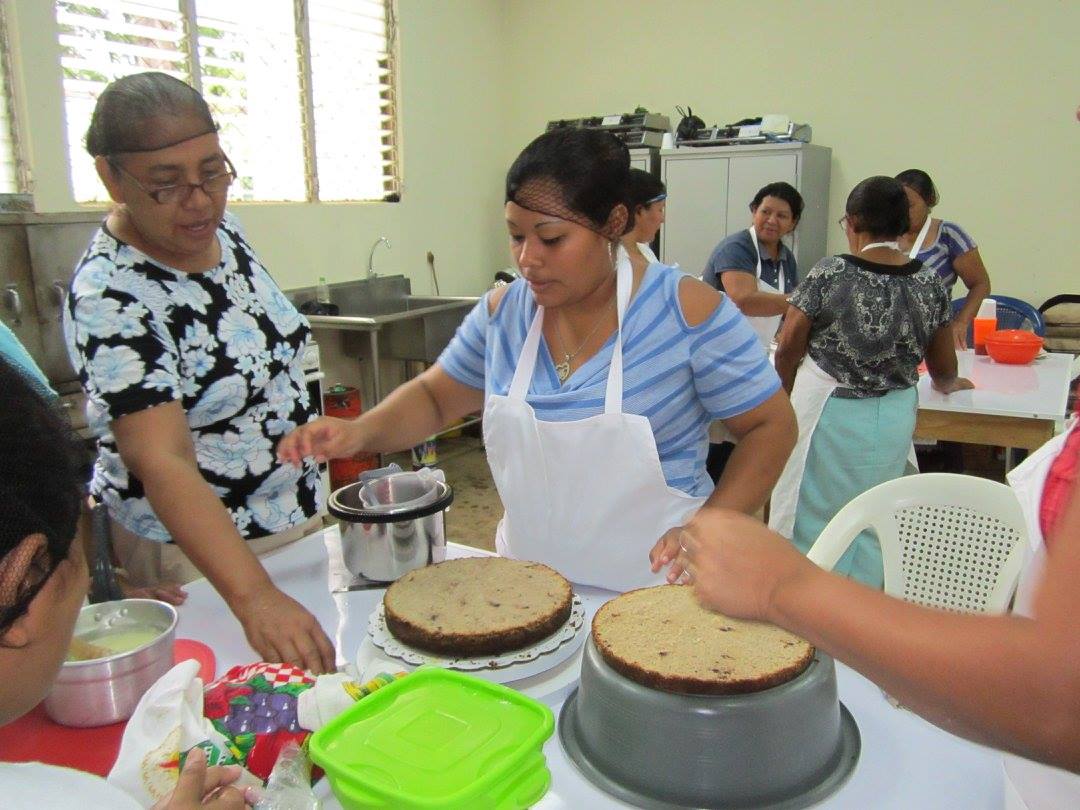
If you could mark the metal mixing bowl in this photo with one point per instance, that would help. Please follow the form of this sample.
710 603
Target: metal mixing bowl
784 747
106 690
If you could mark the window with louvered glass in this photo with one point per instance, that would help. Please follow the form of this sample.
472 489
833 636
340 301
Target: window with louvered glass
303 90
11 177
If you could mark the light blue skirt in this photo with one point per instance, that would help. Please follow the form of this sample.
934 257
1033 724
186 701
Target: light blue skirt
857 444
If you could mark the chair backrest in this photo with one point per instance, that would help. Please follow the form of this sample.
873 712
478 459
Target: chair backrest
1012 313
949 541
1063 298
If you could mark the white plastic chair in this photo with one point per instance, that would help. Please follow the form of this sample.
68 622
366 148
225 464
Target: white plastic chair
948 541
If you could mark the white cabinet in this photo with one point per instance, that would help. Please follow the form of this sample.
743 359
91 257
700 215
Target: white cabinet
646 159
710 189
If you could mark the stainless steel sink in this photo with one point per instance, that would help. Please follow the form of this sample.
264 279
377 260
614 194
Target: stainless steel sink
400 325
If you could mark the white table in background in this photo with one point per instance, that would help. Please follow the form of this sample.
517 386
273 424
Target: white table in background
905 762
1010 406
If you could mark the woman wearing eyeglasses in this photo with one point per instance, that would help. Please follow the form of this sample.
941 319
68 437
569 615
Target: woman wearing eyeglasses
190 357
860 324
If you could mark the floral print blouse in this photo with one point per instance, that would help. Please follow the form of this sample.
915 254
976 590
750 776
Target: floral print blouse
226 344
871 323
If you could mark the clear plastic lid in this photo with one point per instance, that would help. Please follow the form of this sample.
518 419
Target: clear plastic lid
987 309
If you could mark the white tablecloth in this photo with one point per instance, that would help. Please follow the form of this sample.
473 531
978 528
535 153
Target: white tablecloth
905 763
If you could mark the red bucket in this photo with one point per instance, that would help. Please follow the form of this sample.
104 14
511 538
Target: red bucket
343 401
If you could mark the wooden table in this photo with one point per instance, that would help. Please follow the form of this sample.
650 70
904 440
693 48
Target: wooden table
1010 406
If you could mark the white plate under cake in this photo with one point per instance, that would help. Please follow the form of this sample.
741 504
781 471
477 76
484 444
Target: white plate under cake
477 605
662 638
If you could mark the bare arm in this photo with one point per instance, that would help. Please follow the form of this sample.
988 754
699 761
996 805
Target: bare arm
941 363
766 436
1002 680
791 345
742 288
155 445
408 415
969 267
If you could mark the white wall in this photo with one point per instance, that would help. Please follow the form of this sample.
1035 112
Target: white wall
980 94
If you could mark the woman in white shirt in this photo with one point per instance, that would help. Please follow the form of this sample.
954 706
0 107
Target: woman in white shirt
43 582
647 196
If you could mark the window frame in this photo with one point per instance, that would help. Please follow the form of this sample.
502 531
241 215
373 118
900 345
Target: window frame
388 107
19 199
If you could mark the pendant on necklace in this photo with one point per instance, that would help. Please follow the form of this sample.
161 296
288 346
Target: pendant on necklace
562 370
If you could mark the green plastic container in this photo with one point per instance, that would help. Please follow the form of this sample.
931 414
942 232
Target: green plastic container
437 739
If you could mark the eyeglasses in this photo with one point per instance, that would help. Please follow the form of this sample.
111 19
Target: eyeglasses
180 192
842 222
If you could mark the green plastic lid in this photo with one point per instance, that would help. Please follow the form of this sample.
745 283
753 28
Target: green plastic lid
437 738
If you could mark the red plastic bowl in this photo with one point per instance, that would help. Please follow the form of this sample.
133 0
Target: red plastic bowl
1013 346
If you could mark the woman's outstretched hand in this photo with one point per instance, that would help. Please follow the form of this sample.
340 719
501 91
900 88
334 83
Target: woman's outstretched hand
322 439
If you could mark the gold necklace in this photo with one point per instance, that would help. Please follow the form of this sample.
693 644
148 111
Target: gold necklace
562 370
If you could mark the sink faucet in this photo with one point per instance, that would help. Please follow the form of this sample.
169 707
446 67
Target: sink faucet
371 256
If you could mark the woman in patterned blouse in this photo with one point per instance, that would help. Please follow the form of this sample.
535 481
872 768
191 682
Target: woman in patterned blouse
190 357
863 321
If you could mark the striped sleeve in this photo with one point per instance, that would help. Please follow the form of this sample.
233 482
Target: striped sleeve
732 373
956 239
463 358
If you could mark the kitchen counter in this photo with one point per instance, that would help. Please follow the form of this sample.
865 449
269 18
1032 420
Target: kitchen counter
905 762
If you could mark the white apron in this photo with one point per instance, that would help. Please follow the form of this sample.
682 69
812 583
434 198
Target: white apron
766 325
647 252
587 497
812 389
1031 785
917 244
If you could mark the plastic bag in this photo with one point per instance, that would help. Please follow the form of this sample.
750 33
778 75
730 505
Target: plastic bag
289 785
402 490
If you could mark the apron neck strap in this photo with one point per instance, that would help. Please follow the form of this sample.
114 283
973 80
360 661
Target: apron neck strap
917 244
526 364
779 261
523 374
624 280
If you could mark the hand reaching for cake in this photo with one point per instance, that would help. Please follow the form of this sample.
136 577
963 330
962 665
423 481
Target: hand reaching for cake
669 551
738 564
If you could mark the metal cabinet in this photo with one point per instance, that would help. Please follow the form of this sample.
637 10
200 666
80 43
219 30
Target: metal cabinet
645 158
38 253
710 189
17 309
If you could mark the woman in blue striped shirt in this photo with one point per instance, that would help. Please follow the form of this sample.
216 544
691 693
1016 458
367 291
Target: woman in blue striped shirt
598 376
945 248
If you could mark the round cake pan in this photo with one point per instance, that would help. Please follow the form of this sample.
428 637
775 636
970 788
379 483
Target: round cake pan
786 747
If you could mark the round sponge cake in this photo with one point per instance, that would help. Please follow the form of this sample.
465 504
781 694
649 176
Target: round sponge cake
477 605
662 638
